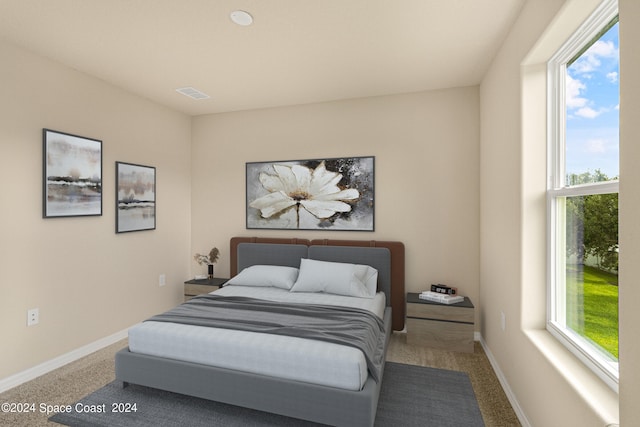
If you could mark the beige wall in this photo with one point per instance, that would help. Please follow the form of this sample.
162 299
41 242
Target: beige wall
436 152
552 388
629 212
426 159
87 281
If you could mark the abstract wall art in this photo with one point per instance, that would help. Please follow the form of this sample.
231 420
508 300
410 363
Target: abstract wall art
136 197
72 175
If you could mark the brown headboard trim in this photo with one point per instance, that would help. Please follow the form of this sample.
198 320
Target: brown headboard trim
397 264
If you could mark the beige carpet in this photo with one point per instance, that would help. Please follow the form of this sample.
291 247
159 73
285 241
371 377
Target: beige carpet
72 382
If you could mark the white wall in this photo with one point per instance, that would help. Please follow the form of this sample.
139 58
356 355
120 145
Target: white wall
87 281
426 159
550 385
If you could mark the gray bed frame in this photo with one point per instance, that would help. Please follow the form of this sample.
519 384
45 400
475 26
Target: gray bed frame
321 404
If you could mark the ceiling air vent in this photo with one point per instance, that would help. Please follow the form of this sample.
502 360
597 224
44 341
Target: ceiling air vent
192 93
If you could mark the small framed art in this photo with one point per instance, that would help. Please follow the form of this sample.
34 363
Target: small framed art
136 197
72 175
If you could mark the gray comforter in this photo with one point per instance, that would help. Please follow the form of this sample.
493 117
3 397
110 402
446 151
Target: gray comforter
342 325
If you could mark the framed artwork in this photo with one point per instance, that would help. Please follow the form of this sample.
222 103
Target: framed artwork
72 175
136 197
319 194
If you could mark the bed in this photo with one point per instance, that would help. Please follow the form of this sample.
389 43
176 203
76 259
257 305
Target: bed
318 385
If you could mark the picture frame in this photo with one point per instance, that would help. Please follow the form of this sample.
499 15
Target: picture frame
135 197
72 175
335 194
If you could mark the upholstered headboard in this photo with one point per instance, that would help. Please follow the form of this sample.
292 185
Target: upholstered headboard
387 257
249 254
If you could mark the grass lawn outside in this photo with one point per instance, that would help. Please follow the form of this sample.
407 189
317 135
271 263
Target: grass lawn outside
592 305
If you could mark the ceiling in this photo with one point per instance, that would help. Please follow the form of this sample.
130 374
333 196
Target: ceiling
296 51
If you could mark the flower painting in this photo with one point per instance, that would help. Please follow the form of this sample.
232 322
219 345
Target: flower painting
324 194
136 193
72 175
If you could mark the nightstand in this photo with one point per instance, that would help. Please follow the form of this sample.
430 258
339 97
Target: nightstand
201 286
444 326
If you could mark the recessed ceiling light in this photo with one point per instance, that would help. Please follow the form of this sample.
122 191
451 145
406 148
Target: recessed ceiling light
241 17
192 93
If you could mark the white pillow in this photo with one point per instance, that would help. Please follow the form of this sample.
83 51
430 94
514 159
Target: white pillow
369 276
276 276
336 278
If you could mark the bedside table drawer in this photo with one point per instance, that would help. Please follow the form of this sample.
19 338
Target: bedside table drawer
201 286
193 290
440 334
440 312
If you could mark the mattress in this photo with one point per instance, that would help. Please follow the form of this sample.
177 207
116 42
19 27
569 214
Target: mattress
286 357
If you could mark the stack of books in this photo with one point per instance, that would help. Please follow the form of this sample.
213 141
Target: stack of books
440 297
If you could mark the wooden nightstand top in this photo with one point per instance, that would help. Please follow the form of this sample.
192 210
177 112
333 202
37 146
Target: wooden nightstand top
216 281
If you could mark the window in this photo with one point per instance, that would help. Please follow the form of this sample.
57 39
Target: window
582 195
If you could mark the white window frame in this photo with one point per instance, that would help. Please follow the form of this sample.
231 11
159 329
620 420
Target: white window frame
557 190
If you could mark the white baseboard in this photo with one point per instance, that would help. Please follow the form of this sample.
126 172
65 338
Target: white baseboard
503 382
50 365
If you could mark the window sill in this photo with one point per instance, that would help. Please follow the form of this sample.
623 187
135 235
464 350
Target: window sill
586 384
602 364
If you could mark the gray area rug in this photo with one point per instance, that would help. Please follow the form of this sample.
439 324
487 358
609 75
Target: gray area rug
410 396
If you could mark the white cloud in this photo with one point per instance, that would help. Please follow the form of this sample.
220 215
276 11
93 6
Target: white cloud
588 74
591 59
601 48
573 98
588 113
586 64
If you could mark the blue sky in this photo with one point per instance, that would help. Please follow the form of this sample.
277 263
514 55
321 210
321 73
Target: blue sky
593 108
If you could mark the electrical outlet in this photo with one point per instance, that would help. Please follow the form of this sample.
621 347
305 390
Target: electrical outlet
33 316
162 280
503 321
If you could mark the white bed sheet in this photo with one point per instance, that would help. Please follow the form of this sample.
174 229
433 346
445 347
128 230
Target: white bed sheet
292 358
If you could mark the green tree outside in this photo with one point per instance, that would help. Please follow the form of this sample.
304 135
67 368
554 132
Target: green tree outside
592 223
592 291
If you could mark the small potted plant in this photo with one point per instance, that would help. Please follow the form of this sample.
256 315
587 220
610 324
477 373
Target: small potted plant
209 260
